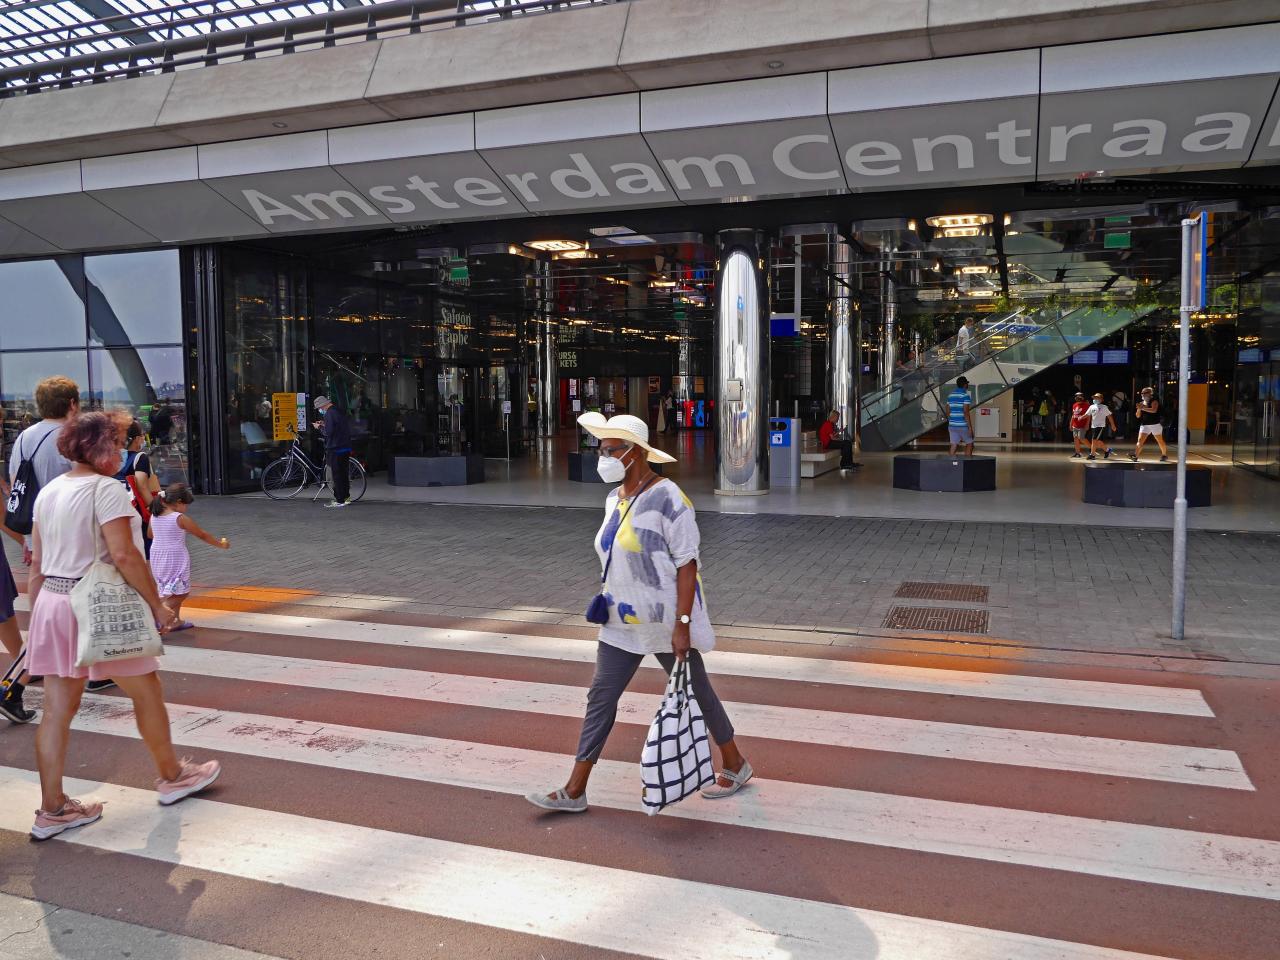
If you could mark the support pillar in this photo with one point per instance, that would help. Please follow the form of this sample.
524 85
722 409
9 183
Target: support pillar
742 365
888 318
842 355
548 356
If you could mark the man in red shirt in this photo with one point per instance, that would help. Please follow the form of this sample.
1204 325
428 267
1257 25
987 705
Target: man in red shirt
827 439
1079 424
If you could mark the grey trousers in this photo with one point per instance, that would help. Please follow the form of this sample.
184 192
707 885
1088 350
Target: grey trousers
614 670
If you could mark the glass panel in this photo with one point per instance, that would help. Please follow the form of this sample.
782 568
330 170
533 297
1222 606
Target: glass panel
1031 354
42 304
19 374
134 298
149 384
909 420
265 352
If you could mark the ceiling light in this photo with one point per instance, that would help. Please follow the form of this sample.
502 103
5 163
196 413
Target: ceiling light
555 246
962 231
960 220
976 268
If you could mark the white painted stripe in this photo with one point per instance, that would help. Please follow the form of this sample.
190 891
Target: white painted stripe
601 907
1053 751
964 683
1104 848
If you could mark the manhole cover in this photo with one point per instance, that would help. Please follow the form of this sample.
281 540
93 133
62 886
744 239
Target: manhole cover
957 592
937 619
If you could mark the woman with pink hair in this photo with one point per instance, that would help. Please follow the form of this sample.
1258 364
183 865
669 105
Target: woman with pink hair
69 513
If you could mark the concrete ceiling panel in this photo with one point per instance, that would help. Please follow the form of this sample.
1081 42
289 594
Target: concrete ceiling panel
311 82
74 221
290 201
674 43
615 173
16 242
527 59
85 113
975 26
1194 125
988 141
1267 150
181 212
430 189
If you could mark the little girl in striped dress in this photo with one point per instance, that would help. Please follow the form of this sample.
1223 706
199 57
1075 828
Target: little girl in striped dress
170 561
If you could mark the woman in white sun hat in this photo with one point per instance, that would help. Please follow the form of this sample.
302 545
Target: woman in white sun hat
655 601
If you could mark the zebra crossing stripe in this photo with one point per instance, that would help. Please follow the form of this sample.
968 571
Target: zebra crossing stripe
1182 858
602 907
1051 751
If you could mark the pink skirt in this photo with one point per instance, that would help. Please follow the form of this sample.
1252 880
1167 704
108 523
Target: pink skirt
51 645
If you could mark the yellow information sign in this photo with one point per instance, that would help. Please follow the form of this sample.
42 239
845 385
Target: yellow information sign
287 411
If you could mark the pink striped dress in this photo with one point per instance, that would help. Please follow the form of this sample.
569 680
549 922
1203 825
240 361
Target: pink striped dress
170 560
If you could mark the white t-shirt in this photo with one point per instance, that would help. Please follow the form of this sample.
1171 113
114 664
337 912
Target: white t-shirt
658 535
68 526
1097 414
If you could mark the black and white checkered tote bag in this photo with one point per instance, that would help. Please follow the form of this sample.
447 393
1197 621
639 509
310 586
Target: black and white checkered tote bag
676 759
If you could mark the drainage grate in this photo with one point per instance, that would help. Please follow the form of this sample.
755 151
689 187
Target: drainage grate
937 619
956 592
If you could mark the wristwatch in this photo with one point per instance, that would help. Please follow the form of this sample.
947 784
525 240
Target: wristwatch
684 618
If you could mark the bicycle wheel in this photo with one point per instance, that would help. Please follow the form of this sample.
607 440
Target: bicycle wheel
356 477
283 479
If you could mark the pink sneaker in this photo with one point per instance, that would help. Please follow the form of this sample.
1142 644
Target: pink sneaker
193 778
73 814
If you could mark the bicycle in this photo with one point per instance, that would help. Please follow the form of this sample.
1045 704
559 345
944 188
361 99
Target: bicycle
285 478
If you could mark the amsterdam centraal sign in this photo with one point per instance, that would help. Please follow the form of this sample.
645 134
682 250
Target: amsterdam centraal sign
1155 104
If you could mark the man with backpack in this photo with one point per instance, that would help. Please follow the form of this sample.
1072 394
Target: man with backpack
34 462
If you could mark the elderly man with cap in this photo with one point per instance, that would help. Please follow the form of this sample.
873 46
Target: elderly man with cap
336 429
648 550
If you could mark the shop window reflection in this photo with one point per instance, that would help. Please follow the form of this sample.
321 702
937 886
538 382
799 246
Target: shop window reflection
148 384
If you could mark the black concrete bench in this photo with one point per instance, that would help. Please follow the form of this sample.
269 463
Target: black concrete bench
943 473
446 471
1121 484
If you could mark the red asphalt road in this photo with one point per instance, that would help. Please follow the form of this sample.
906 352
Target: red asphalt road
1142 917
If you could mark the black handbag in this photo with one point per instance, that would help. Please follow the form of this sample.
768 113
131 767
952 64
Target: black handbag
598 608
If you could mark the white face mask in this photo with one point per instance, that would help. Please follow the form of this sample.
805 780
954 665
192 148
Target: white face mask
611 469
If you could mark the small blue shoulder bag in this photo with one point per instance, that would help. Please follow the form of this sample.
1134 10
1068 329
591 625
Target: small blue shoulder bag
598 608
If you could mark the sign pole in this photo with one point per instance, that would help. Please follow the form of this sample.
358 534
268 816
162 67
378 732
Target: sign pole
1192 299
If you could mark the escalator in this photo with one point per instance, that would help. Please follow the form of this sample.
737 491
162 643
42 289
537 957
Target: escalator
1001 354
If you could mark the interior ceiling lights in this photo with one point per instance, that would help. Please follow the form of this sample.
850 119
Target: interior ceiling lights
555 246
960 220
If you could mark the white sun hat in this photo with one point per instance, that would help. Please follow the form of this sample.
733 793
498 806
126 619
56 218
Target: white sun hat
623 427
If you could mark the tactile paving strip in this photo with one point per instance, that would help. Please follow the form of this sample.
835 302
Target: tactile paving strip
937 619
957 592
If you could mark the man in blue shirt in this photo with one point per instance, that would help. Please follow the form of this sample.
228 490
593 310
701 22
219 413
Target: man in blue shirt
959 417
337 448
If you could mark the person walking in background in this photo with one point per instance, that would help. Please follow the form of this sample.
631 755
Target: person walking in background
82 517
1100 418
337 448
170 559
655 600
1150 424
960 417
139 478
1079 424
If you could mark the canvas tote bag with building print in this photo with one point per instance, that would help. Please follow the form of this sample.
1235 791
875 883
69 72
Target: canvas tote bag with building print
113 621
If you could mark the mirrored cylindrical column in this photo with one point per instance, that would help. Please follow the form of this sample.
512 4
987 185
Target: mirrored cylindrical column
548 358
841 353
742 366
